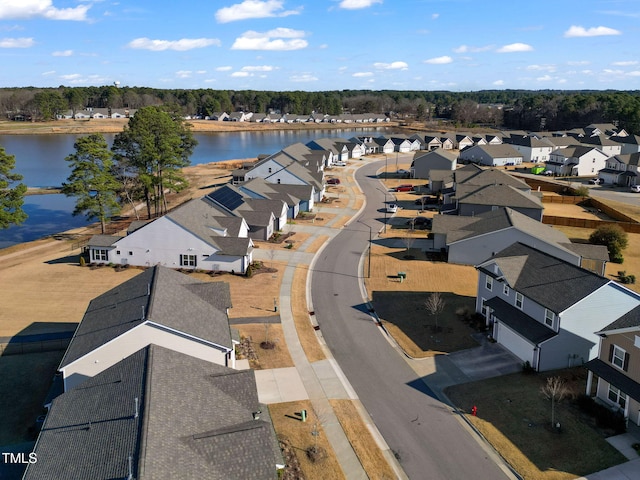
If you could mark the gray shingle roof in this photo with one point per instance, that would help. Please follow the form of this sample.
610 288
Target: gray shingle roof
519 321
547 280
158 295
195 420
103 240
500 195
631 319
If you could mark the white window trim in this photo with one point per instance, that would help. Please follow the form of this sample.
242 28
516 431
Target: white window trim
520 298
488 284
551 317
619 396
188 260
614 357
505 289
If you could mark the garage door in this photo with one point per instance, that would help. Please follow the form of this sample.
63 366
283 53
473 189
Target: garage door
515 343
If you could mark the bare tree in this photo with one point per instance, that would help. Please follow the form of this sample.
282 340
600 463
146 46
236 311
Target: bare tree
555 390
435 306
408 241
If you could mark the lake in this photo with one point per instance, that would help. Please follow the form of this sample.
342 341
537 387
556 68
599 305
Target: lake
40 160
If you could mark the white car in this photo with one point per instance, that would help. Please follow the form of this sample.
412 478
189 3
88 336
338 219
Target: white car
392 208
339 164
635 188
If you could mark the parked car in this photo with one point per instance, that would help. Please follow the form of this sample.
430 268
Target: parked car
596 181
635 188
403 172
548 173
427 199
392 208
419 222
339 164
333 181
404 188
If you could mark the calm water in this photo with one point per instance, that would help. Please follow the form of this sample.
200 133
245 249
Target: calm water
40 160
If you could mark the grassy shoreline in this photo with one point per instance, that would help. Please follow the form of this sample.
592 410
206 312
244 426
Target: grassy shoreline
197 126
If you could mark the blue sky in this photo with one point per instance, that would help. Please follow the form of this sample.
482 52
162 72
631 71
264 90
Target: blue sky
457 45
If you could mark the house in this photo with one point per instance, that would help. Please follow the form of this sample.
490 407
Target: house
239 117
441 181
447 143
472 200
605 144
263 216
196 235
577 160
159 413
160 306
432 142
289 168
628 144
531 148
492 155
472 240
299 198
439 159
546 310
385 145
617 367
621 169
337 147
461 141
608 129
219 116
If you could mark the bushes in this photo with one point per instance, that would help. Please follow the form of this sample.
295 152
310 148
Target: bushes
626 279
613 237
604 416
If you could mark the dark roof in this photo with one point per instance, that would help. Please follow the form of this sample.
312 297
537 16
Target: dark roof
545 279
631 319
615 377
158 295
103 240
520 322
195 420
496 195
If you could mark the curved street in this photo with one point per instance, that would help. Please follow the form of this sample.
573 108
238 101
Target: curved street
427 438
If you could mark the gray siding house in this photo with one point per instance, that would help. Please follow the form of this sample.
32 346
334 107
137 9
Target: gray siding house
545 310
438 159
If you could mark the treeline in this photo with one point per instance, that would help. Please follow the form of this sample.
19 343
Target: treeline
512 109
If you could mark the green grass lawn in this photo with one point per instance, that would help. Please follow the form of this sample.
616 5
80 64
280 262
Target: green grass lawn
515 417
24 383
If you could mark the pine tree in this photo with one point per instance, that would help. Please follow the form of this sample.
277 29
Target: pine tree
92 180
11 197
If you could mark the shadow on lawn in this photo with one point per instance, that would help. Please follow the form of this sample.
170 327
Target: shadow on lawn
445 333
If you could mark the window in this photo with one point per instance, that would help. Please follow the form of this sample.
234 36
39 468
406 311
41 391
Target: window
549 317
269 169
618 357
636 341
130 253
100 255
489 283
519 300
616 396
505 289
187 260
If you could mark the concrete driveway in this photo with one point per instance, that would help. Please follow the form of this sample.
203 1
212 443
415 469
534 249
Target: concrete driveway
485 361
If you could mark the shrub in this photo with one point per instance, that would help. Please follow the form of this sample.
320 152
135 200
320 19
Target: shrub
83 262
249 271
604 416
613 237
527 369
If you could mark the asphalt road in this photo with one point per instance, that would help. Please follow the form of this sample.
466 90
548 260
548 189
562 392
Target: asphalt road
425 436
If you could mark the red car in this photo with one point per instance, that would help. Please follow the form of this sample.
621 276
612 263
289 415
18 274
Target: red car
404 188
333 181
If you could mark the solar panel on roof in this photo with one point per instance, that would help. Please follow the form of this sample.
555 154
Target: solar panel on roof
226 197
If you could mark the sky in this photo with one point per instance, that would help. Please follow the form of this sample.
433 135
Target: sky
317 45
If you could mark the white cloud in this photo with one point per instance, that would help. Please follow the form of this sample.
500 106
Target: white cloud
362 74
546 78
25 9
305 77
254 9
542 68
391 66
439 60
71 76
178 45
240 74
635 73
627 63
435 16
258 68
271 40
515 47
577 31
472 49
16 42
357 4
63 53
577 63
184 73
498 83
226 68
47 73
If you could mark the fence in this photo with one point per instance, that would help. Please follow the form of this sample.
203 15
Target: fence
588 223
564 199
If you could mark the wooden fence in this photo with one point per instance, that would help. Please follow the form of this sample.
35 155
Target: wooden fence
565 199
588 223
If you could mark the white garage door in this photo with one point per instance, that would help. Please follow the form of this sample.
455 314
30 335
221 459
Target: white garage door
515 343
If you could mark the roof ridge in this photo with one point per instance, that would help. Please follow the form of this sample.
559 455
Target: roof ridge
144 427
151 293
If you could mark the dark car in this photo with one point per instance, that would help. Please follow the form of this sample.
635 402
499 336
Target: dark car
417 222
428 199
333 181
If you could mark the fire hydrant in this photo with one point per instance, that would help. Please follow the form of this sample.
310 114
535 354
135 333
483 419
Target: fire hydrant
474 410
